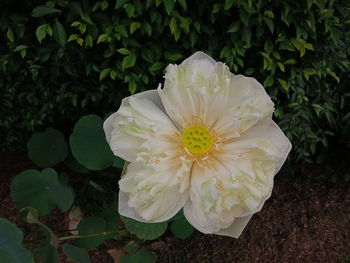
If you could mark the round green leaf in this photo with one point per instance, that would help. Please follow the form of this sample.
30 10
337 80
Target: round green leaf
89 145
90 226
42 191
75 166
47 148
11 250
47 253
76 254
147 231
181 228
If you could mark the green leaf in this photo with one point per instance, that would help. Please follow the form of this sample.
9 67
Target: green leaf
228 4
42 10
134 26
104 73
146 231
183 4
283 84
103 38
132 87
169 6
89 145
41 32
129 61
72 163
118 162
10 35
59 33
47 148
120 3
173 56
91 225
47 253
234 27
181 228
42 191
269 23
269 81
76 254
11 250
156 67
123 51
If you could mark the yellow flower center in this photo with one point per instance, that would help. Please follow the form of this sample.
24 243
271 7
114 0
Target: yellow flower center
197 139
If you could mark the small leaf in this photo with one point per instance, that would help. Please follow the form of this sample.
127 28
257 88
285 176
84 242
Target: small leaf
134 26
269 81
91 225
123 51
119 3
234 27
11 238
89 145
146 231
41 190
47 253
129 61
10 35
41 32
281 66
283 84
42 10
76 254
156 67
181 228
47 148
59 33
228 4
169 6
183 4
104 73
132 87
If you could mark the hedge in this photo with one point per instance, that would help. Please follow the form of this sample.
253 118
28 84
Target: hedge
62 59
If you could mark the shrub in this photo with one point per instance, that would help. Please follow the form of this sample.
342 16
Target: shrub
62 59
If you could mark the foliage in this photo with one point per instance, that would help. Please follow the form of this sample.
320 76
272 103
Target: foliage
11 250
38 193
63 59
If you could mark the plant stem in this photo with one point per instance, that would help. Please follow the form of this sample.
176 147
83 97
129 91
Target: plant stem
89 235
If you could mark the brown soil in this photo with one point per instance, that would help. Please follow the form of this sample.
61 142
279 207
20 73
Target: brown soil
307 219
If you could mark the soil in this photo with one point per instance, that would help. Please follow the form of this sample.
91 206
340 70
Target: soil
307 219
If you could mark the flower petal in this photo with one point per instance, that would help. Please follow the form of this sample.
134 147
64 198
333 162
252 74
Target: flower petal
235 184
203 89
138 121
154 192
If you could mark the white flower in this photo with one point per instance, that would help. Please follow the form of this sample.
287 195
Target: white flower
206 143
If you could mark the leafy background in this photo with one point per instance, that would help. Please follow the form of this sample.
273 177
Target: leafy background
62 59
65 65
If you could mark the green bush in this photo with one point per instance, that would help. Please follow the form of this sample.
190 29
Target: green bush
63 59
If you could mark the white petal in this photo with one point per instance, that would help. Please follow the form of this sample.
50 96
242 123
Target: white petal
235 184
154 192
205 90
151 95
138 122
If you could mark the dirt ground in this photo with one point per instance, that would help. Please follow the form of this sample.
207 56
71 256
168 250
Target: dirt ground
307 219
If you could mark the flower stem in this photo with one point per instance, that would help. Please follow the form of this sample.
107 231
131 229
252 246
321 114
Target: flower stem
89 235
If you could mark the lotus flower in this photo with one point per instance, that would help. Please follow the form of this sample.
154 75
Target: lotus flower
206 143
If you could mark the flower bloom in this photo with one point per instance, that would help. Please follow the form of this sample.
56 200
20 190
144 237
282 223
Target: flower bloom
206 143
